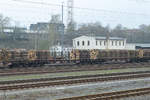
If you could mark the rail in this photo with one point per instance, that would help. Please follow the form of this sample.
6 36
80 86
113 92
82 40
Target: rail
113 95
71 82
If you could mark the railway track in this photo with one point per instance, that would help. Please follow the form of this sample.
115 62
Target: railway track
72 77
24 71
71 81
113 95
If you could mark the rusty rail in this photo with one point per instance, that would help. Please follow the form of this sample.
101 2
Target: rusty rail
112 95
71 77
71 82
70 69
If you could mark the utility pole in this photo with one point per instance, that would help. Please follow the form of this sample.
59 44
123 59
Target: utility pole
70 6
35 40
62 12
62 37
107 39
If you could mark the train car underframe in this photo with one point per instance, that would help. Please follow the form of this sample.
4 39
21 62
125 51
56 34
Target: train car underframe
38 63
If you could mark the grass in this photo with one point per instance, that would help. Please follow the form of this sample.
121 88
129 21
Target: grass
52 75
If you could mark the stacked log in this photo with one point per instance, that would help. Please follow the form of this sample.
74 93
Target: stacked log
43 55
84 54
141 53
146 53
4 55
94 54
74 55
32 55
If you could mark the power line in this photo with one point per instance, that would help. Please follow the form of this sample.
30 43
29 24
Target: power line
70 12
89 9
89 16
94 16
141 1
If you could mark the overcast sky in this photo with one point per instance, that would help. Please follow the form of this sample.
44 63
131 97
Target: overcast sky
129 13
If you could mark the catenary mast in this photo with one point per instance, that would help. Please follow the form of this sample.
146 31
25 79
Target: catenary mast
70 11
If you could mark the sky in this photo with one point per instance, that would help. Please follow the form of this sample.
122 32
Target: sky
129 13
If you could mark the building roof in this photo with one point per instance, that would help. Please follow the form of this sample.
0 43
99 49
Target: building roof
60 46
111 38
142 45
103 38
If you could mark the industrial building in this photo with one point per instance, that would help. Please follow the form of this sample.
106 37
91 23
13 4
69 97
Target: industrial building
96 42
43 27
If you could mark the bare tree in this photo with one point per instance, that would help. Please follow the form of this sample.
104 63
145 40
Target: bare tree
54 35
4 21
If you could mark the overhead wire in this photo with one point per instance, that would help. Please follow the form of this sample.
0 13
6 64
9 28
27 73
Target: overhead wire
103 13
144 1
89 9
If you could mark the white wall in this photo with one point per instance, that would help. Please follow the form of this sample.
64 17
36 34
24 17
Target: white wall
85 39
93 45
130 47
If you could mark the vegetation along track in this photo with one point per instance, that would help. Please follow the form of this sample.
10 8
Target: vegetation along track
42 70
73 80
113 95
